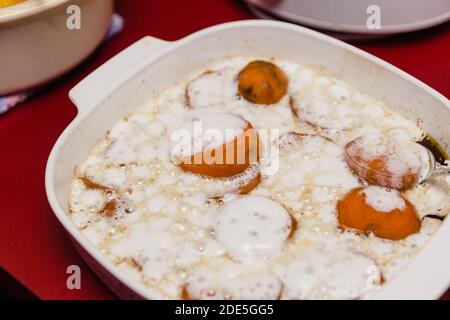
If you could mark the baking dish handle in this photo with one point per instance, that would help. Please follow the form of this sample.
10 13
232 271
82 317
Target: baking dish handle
87 93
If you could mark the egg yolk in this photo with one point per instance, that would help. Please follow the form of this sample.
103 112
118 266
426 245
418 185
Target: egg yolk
110 208
92 185
262 82
376 170
356 214
228 159
185 294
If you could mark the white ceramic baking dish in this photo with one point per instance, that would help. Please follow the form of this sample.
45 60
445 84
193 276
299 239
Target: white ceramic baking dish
130 78
36 45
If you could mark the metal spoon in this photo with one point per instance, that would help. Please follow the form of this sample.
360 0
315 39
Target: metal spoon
434 167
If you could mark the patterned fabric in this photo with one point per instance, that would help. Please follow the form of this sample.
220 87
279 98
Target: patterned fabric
9 101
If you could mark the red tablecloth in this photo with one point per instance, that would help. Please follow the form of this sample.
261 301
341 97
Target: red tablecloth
33 246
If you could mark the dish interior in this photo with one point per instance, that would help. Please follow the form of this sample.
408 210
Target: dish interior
184 235
324 61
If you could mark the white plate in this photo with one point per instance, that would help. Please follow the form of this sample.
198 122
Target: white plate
260 13
351 15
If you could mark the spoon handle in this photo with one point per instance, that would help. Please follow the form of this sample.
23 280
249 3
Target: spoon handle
441 170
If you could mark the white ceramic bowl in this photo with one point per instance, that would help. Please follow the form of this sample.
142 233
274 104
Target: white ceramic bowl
36 45
351 15
130 78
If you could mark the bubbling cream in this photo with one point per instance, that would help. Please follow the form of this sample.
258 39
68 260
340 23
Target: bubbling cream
206 130
323 273
259 234
382 199
231 280
253 227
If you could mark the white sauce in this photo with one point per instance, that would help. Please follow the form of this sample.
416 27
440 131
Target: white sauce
212 89
252 227
382 199
231 280
332 272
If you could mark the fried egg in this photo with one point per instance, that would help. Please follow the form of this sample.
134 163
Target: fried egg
381 211
387 161
215 144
